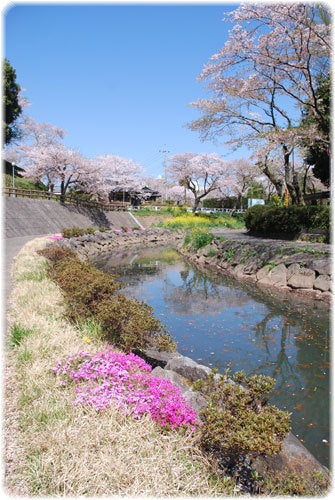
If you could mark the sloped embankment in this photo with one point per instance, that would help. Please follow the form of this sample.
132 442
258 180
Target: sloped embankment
303 268
25 217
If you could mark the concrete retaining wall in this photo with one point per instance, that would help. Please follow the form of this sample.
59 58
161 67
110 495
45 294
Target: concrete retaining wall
25 217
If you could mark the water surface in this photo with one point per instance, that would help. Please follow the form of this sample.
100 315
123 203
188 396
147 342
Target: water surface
222 323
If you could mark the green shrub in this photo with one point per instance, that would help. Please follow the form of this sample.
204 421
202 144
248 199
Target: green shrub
55 253
288 483
73 232
237 419
103 229
93 295
129 323
84 286
287 221
198 239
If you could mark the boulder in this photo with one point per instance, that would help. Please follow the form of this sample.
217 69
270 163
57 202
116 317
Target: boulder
154 357
194 398
188 368
302 278
174 377
321 266
293 457
323 283
277 275
263 272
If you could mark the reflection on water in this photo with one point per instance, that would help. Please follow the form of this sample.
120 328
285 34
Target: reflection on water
222 323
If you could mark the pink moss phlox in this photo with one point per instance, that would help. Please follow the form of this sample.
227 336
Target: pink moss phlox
55 237
109 377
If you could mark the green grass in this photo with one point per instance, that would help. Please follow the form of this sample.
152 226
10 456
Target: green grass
21 183
17 334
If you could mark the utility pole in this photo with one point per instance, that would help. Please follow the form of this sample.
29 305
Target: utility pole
165 152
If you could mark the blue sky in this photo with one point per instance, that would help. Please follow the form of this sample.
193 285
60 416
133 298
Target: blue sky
117 77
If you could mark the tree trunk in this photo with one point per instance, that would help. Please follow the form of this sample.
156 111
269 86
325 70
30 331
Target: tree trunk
197 200
291 180
62 192
276 181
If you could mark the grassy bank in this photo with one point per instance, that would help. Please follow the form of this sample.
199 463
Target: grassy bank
179 218
54 448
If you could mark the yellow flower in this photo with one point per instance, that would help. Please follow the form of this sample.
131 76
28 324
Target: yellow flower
86 339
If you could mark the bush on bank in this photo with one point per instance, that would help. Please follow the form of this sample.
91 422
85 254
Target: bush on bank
198 238
90 293
237 420
279 221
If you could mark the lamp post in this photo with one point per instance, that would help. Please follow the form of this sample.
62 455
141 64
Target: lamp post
164 151
13 179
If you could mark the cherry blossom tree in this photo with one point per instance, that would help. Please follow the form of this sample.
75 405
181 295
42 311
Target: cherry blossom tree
177 194
59 165
33 135
263 77
44 157
246 176
40 133
115 171
200 173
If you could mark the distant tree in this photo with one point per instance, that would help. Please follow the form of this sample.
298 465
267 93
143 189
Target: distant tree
11 102
116 171
267 70
200 174
45 158
58 165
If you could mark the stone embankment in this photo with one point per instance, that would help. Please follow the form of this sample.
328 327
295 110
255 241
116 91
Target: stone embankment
183 371
302 268
91 245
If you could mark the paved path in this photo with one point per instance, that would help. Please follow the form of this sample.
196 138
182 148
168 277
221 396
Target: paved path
11 248
241 234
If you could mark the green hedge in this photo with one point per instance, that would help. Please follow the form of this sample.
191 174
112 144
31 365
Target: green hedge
93 295
287 221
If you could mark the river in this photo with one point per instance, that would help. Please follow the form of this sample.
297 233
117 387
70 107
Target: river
223 323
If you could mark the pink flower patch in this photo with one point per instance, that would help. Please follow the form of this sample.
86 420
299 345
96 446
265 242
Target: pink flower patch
55 237
125 379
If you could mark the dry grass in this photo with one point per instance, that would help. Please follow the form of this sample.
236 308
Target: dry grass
52 448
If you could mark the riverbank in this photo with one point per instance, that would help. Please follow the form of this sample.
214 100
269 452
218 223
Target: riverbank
290 266
154 237
294 267
55 448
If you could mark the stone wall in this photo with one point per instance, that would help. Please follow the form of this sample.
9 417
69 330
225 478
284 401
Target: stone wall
183 371
302 268
91 245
